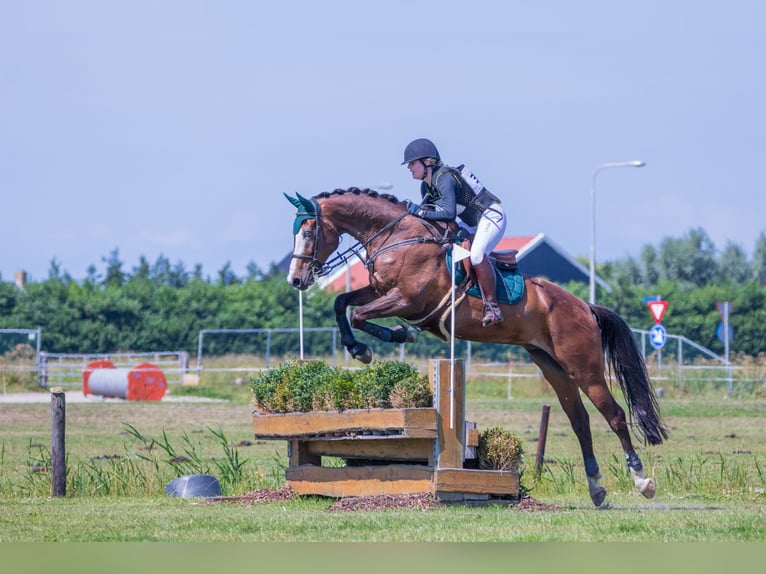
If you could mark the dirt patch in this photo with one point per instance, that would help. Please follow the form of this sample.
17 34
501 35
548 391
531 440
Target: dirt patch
529 504
256 496
417 501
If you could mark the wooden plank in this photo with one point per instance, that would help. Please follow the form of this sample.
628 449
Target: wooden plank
498 482
360 480
401 449
414 423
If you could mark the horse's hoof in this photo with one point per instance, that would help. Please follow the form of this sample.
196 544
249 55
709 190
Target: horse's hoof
598 496
366 357
648 488
362 352
644 485
597 492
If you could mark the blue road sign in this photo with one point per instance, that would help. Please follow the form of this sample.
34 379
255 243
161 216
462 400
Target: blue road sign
721 334
658 336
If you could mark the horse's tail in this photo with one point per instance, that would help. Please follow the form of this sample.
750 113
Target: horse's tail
626 362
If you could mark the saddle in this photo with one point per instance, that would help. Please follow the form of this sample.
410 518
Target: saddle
503 260
509 279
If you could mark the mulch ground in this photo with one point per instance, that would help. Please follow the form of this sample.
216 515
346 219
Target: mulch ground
417 501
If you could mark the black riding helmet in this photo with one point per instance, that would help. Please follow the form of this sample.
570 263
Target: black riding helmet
420 149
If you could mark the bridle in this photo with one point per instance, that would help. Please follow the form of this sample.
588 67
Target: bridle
319 269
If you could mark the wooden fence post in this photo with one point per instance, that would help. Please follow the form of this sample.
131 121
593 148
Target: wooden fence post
58 446
541 438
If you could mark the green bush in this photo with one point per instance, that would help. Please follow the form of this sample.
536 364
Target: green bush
499 449
298 386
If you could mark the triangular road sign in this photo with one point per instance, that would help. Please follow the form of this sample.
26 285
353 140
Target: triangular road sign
657 309
724 308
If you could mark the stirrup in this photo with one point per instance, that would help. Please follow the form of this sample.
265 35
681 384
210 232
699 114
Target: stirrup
491 314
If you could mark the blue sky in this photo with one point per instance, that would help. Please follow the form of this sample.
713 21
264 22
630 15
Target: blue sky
173 127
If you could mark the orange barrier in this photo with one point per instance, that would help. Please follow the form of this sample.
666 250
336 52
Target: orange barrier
145 382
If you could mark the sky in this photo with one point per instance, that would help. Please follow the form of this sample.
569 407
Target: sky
172 128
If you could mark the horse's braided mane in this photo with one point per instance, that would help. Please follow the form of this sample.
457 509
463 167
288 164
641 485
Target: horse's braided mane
357 191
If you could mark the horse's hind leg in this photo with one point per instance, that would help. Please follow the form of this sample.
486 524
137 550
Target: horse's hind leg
569 398
603 400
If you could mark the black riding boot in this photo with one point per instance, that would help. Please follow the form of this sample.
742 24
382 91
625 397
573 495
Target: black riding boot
485 275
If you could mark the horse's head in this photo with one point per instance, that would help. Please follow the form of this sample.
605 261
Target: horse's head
314 242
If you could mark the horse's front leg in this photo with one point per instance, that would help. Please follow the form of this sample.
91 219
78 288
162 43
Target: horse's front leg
370 306
342 303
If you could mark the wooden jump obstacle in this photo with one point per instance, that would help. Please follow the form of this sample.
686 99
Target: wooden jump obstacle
391 451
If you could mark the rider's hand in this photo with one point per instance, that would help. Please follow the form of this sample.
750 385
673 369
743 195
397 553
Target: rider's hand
414 209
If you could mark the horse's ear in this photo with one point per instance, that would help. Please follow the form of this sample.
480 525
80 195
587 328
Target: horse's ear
296 202
308 205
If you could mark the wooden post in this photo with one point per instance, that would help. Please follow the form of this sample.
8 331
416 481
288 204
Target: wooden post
541 438
450 411
58 448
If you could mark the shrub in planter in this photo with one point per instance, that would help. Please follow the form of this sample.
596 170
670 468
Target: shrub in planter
412 391
377 380
291 387
338 393
499 449
300 386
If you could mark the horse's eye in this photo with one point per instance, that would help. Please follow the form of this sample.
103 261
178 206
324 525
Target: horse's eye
308 234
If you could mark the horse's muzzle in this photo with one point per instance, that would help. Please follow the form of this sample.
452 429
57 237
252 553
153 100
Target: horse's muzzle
300 281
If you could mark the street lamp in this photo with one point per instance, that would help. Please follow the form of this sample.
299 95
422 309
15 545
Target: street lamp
635 163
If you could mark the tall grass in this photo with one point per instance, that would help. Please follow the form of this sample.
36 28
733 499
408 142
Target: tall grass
143 469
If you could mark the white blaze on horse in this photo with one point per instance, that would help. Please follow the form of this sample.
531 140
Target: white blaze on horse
570 340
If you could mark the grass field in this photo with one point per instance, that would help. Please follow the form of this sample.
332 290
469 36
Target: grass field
711 476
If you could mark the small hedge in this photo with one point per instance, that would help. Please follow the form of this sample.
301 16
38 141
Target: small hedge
302 386
499 449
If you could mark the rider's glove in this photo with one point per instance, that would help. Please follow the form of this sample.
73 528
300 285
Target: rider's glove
414 209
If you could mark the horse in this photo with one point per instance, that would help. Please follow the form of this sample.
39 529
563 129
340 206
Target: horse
571 341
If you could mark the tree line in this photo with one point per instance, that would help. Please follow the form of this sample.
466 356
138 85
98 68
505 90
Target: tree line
162 306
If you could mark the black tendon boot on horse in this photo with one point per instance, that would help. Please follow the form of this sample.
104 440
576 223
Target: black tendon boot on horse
485 275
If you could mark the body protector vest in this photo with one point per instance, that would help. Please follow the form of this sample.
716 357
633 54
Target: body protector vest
471 196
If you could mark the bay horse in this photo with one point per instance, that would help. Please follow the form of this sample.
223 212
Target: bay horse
570 340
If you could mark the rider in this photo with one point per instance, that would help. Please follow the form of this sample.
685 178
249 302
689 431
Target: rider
446 197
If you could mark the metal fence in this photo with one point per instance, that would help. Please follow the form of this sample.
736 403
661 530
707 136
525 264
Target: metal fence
685 364
264 345
680 362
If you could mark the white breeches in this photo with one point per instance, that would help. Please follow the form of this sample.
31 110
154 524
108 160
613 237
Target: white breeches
489 232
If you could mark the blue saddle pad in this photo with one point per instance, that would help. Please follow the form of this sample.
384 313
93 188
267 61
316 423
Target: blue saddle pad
510 282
